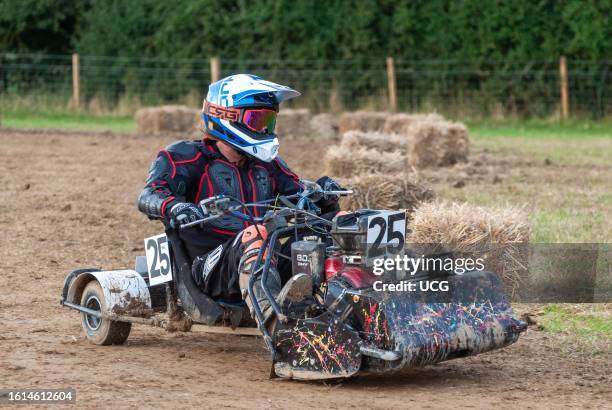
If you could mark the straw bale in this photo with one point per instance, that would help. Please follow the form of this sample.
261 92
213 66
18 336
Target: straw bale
437 143
347 162
324 125
375 140
293 122
384 191
399 123
167 118
497 235
362 121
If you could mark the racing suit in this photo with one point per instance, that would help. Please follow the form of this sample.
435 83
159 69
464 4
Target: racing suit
189 171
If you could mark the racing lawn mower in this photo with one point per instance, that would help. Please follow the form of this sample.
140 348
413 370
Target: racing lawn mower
352 323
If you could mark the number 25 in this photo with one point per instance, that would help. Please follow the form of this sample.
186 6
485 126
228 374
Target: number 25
164 260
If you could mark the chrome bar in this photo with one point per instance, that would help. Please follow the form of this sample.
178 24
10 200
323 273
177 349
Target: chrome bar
386 355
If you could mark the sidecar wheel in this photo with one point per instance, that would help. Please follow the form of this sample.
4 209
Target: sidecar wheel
101 331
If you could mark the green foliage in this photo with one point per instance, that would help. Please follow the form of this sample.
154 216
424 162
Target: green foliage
488 54
120 28
347 29
307 29
47 26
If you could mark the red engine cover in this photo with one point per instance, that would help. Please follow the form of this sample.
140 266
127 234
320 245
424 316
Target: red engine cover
356 276
333 265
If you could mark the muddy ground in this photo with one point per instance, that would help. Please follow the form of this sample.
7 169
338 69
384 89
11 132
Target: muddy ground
68 200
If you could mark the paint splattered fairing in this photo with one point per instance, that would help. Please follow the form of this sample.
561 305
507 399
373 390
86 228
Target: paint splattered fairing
317 348
428 328
420 328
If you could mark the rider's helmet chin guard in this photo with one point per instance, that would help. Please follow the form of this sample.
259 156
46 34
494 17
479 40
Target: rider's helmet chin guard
241 110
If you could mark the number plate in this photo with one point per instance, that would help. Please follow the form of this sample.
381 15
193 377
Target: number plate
158 259
386 234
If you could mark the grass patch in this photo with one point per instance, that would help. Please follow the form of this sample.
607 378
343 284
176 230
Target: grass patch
564 184
588 322
538 128
59 117
565 151
566 225
68 121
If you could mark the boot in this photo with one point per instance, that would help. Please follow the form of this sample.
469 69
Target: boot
274 285
297 289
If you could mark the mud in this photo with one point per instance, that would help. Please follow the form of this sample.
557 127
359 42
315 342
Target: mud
68 200
132 306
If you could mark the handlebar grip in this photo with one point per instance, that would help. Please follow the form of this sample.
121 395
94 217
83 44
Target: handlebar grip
199 222
339 192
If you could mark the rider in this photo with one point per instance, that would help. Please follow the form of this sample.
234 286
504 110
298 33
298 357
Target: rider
237 158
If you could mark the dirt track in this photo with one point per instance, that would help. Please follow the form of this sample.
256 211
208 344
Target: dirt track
68 201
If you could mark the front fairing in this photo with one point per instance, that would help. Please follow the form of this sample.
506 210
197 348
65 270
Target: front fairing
429 327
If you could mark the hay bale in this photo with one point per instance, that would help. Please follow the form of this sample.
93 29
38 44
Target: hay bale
144 121
375 140
293 122
437 143
362 121
345 162
167 118
399 123
324 125
380 191
497 235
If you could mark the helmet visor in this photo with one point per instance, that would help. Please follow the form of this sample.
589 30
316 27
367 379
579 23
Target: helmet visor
259 121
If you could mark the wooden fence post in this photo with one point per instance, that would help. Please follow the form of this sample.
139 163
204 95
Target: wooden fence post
215 69
391 84
2 85
76 82
564 83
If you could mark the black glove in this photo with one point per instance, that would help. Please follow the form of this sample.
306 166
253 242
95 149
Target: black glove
328 184
184 212
328 202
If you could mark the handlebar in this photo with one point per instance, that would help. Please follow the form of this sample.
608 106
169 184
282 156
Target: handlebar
218 204
211 218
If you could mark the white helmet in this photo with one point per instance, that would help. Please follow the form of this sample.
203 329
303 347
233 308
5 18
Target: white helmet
241 110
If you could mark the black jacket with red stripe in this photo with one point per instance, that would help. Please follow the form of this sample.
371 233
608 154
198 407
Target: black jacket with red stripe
189 171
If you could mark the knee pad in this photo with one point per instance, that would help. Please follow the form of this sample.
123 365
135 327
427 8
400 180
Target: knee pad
254 232
251 241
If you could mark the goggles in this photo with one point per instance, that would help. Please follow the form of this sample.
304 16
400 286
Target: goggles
258 120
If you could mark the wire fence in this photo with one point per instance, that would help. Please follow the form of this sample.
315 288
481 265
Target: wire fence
454 88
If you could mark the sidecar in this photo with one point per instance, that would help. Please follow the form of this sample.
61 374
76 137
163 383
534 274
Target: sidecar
159 291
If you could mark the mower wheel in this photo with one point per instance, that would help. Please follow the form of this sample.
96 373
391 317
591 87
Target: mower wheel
101 331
